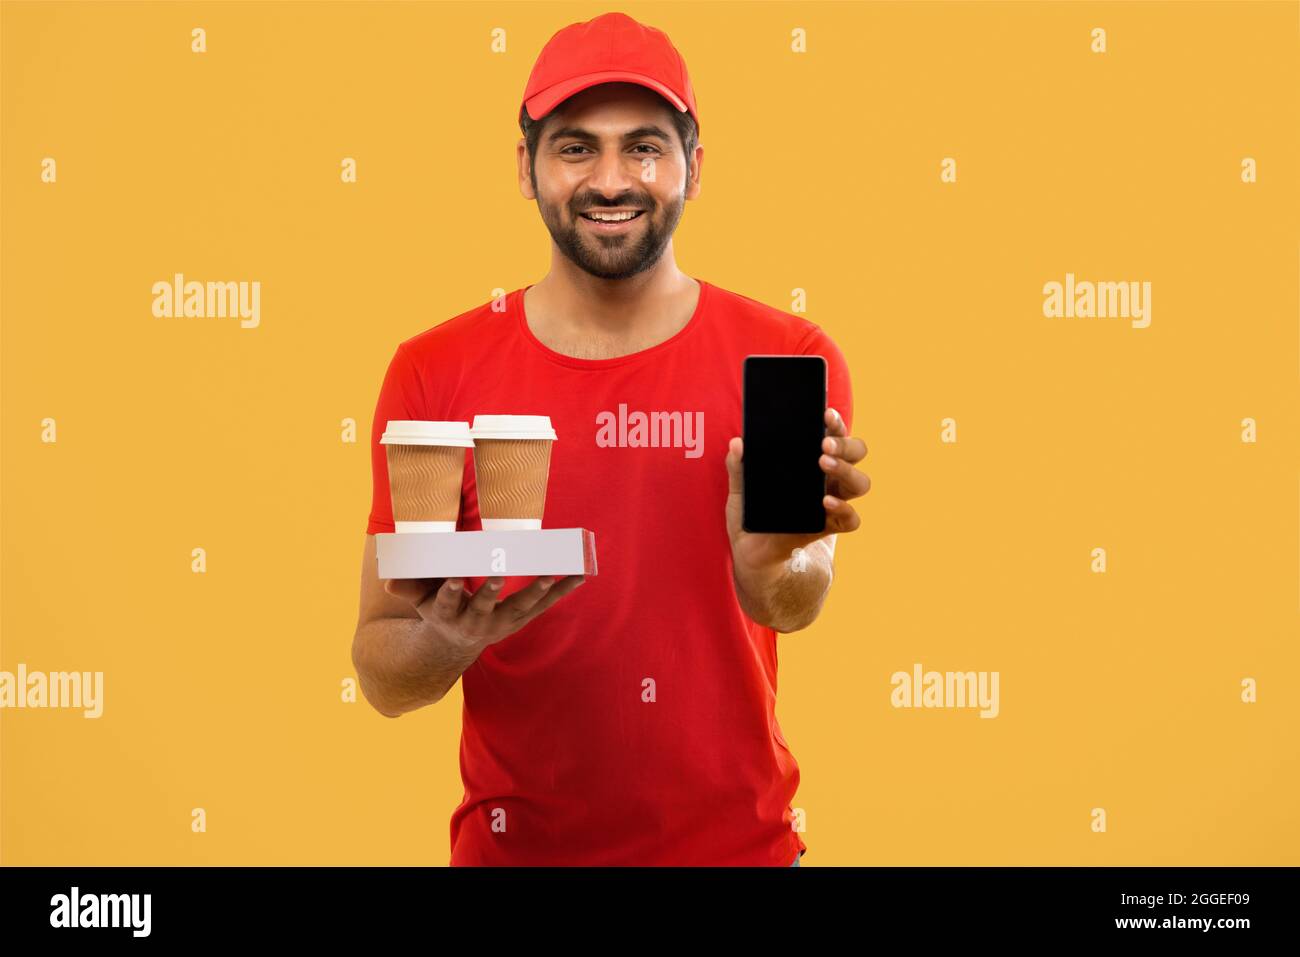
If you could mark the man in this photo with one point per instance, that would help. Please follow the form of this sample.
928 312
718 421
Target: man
633 722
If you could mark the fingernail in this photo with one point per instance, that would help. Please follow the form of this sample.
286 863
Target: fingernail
547 582
828 461
833 502
454 586
494 585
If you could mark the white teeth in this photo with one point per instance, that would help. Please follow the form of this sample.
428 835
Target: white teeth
610 217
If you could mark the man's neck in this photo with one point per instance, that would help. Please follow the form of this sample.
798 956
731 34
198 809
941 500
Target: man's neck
584 315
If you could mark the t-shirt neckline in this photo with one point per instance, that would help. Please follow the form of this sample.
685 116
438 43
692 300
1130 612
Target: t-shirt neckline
579 363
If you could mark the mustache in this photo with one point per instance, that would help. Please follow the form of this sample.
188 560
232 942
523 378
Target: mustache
584 207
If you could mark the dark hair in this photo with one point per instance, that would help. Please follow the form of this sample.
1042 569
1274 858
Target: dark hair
532 130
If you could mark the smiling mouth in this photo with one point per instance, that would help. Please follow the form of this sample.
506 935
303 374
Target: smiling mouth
612 222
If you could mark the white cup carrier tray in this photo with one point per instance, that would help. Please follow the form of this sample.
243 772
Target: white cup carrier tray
502 553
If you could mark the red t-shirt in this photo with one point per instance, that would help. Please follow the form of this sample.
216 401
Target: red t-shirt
632 723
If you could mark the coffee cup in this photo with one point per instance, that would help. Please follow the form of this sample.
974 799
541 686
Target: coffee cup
426 467
512 461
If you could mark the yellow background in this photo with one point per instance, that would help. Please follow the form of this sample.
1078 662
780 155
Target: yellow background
222 690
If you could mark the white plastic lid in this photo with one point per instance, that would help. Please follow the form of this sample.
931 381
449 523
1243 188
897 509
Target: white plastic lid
513 427
421 432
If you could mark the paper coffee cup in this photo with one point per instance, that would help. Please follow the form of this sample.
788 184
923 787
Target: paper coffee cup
512 461
426 468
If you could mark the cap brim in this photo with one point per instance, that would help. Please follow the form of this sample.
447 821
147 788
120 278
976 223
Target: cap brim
541 104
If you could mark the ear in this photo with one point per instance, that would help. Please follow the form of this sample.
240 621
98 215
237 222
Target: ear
695 163
525 180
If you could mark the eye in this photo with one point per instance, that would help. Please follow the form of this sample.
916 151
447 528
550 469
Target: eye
579 146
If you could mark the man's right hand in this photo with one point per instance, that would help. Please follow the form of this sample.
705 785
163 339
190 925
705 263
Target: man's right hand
481 619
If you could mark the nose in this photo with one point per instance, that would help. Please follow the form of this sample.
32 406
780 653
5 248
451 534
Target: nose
611 174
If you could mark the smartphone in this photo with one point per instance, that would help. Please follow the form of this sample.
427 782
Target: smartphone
784 425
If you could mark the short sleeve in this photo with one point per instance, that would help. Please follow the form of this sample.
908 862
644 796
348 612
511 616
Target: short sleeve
839 388
400 397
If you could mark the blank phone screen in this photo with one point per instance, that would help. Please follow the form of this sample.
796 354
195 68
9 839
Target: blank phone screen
785 409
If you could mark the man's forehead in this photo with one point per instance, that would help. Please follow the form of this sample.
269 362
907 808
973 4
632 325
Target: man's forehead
597 105
593 132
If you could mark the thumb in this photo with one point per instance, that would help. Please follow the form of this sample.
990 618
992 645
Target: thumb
414 590
735 471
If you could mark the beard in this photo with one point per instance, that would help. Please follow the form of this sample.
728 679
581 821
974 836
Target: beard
614 257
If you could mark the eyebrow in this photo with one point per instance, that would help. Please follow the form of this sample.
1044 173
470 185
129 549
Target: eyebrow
586 136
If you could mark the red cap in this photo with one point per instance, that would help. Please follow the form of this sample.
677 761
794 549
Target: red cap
611 48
